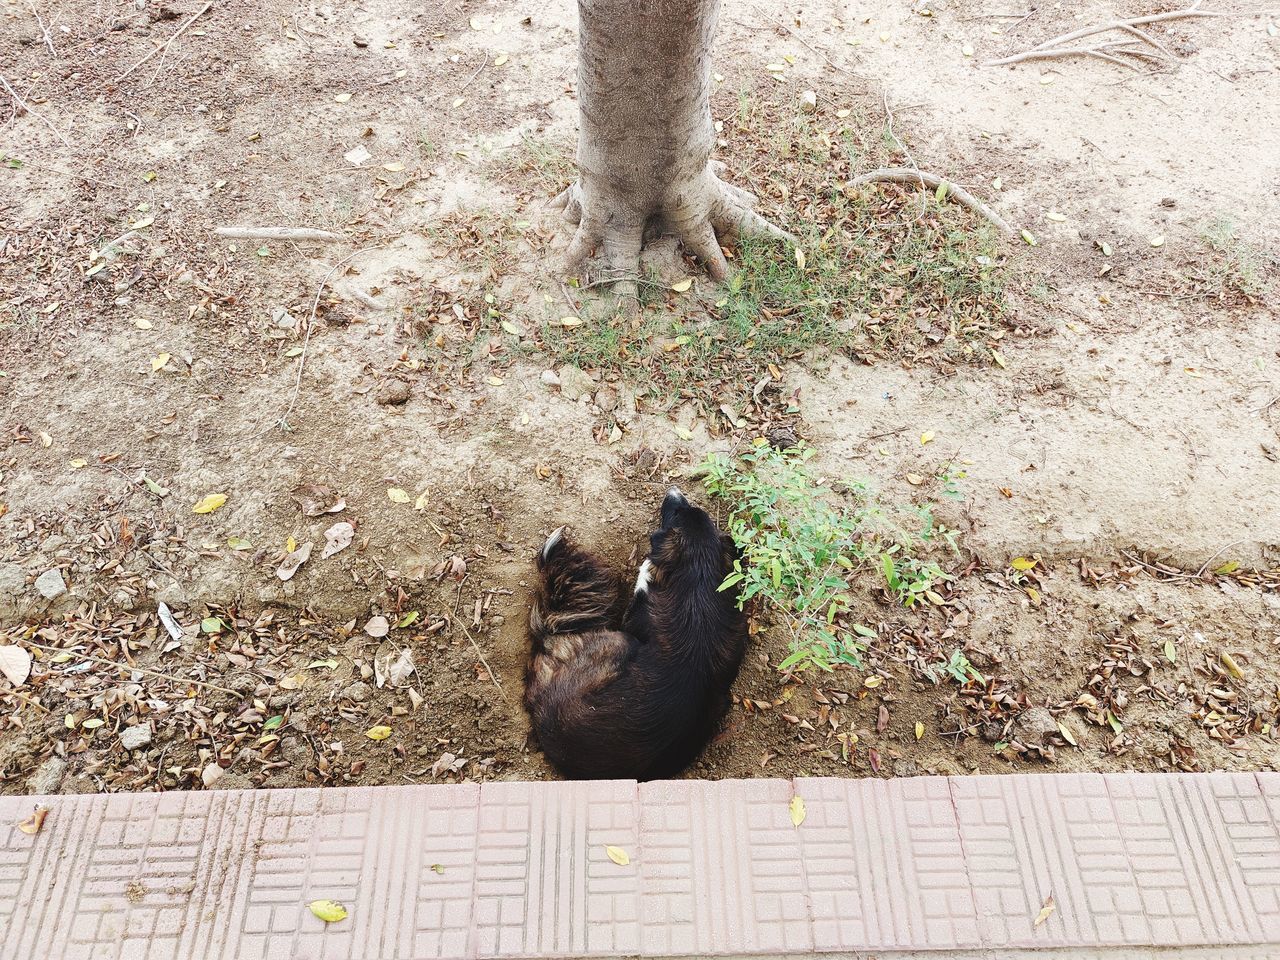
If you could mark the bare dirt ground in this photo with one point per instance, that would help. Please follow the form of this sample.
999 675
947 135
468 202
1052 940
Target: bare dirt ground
1116 419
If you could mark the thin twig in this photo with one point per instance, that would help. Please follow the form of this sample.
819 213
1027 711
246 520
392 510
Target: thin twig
1214 556
283 422
1053 47
276 233
176 34
124 666
48 40
27 107
475 646
787 27
954 192
474 75
27 700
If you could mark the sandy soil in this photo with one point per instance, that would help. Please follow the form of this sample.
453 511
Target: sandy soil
1129 439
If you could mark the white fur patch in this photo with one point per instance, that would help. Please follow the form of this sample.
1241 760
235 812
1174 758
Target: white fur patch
644 577
551 542
676 492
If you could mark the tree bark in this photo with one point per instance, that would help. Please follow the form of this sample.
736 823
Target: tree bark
645 138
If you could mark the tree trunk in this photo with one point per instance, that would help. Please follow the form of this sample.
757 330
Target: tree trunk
645 138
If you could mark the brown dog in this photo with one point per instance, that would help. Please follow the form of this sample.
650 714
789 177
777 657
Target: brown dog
636 700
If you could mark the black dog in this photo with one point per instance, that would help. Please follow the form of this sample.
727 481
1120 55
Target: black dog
642 701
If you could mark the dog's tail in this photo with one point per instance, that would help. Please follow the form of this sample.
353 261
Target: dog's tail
575 592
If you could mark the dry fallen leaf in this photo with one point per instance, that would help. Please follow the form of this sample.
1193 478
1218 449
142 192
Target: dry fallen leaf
31 826
378 733
915 479
330 911
798 811
919 729
1233 668
337 538
294 681
1048 908
397 495
618 855
15 663
294 560
158 363
680 286
377 627
316 500
209 503
1022 563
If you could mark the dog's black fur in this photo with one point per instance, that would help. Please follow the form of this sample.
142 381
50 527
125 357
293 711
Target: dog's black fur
637 699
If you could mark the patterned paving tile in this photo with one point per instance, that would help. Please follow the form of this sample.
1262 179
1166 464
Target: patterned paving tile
927 866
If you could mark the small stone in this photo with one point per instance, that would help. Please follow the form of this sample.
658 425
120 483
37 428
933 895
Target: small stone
135 738
211 774
607 399
809 102
549 378
575 383
172 595
357 692
1036 726
360 41
47 776
12 579
393 394
51 585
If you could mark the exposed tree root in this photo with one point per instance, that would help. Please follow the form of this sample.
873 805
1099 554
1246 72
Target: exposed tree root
1116 51
701 217
959 194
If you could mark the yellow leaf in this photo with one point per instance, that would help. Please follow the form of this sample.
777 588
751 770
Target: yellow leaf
618 855
872 682
421 502
290 545
1231 566
1193 372
683 434
209 503
330 911
1022 563
799 258
378 733
342 98
397 495
1048 908
926 437
511 328
798 811
142 323
31 826
1067 735
45 439
493 381
998 358
93 723
1034 595
680 286
501 60
158 363
79 462
570 321
1233 668
1055 216
1028 238
395 166
919 729
1157 241
1170 651
915 479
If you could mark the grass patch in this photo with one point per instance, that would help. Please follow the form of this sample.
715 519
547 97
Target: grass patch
801 544
1237 269
883 270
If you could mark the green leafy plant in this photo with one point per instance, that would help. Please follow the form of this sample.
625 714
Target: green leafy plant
800 544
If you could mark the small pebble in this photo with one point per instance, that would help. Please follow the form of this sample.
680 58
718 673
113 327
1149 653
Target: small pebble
393 394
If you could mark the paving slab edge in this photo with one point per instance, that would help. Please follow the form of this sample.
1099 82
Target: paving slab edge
1137 865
